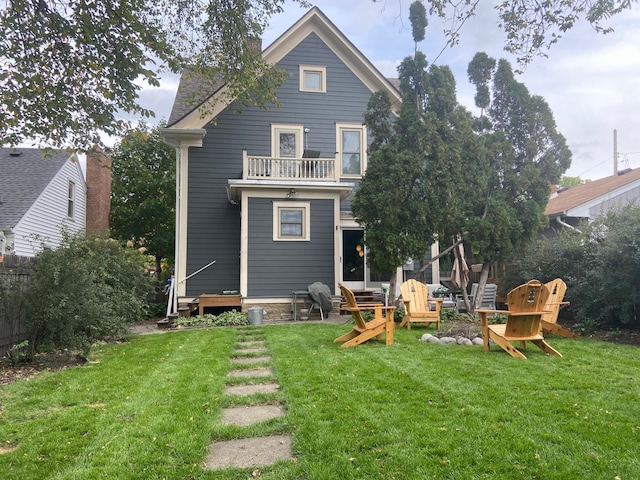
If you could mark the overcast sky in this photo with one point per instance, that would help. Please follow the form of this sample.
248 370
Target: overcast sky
591 81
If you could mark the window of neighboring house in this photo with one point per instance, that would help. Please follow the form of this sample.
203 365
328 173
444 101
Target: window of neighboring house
286 141
352 148
291 221
313 79
71 199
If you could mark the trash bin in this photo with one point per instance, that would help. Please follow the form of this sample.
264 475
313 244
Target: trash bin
255 315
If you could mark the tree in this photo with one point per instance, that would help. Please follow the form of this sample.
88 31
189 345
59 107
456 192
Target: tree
531 27
69 68
526 154
143 194
566 181
419 172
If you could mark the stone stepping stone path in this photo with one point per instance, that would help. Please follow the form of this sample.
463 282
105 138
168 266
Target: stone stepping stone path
251 372
244 390
250 360
250 452
243 416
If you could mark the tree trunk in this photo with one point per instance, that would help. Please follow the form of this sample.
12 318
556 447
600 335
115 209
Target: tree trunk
484 275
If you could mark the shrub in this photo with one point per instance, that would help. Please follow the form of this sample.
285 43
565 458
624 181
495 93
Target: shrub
600 264
86 290
232 318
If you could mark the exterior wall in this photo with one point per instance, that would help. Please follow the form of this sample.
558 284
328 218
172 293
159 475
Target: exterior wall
44 222
617 202
213 229
98 192
276 268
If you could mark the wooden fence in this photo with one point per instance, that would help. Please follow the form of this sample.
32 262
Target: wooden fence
15 279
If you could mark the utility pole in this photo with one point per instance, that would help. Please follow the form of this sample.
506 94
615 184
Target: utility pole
615 151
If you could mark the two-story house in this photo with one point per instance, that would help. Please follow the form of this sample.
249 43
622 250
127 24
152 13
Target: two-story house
266 193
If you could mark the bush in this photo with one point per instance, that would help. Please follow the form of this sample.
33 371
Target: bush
84 291
600 264
232 318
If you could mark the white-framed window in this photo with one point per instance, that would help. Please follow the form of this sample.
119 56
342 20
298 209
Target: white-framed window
313 78
71 199
291 221
286 141
351 146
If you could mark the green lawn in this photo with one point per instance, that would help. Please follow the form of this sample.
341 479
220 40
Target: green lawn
149 409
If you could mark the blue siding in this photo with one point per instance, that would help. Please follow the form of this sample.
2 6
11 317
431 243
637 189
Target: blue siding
277 268
214 224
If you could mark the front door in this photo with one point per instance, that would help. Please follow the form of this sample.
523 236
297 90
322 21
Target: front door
355 272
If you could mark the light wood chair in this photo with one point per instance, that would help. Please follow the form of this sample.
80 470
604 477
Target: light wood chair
526 304
363 330
557 289
415 296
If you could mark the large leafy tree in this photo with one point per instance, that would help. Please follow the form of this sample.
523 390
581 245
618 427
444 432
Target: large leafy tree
69 68
531 27
143 194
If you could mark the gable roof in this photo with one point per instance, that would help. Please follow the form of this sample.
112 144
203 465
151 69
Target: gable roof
591 193
24 174
186 114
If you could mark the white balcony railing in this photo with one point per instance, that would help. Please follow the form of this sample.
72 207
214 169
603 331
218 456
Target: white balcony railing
270 168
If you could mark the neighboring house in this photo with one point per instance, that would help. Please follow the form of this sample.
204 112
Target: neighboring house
266 193
567 208
40 195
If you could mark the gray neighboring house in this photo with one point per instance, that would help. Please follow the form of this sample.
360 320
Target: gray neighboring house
266 193
39 196
567 207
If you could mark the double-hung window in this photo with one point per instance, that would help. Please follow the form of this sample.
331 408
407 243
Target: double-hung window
71 199
351 145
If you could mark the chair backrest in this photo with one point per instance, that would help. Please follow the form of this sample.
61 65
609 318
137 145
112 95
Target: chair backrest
530 297
557 289
488 295
350 298
416 293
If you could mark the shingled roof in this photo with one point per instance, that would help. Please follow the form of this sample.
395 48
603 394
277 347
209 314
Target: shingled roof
574 197
24 174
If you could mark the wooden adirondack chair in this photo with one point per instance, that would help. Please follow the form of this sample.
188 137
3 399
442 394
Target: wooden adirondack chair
363 330
557 289
415 296
526 304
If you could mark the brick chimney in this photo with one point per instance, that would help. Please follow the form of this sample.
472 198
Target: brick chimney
98 192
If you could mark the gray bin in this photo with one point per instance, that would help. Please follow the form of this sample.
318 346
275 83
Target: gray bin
255 315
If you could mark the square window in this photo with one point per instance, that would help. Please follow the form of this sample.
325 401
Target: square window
290 221
313 79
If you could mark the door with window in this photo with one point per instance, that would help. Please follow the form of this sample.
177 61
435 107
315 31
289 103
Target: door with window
355 272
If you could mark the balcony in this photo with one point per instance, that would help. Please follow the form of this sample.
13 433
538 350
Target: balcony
306 169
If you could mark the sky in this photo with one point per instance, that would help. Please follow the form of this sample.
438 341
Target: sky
591 81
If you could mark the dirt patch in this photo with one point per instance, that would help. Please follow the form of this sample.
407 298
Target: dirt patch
49 362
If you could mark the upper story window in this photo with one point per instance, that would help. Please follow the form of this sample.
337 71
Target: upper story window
313 79
351 148
286 141
71 199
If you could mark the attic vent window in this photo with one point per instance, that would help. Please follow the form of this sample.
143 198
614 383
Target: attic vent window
313 79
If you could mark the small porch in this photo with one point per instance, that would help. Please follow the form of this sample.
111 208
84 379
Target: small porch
308 168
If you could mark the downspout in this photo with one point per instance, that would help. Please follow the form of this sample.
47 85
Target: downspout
565 224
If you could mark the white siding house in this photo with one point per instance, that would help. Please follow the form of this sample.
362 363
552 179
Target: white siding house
41 195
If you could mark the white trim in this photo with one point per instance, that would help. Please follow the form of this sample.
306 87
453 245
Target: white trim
306 221
314 21
277 129
362 129
71 199
321 70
